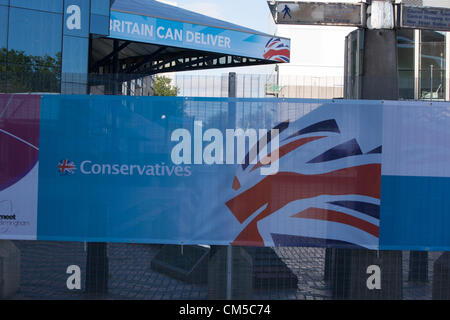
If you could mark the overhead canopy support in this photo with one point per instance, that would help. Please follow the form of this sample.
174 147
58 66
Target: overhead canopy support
154 37
105 60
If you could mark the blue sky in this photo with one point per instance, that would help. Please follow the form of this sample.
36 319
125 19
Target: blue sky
253 14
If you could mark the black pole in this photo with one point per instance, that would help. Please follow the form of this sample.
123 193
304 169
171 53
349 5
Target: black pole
115 89
97 270
217 271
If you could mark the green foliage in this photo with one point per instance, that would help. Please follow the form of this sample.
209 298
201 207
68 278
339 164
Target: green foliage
162 87
27 73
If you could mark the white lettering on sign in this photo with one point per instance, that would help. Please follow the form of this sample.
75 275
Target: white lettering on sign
74 20
208 39
132 28
374 280
147 29
74 281
220 150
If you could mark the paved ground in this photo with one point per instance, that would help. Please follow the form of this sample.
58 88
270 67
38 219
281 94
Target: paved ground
44 264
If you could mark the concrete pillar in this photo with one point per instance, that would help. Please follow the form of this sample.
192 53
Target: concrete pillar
353 275
441 277
376 78
380 65
418 266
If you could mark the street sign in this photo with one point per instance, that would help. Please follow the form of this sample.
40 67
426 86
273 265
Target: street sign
273 89
425 18
320 13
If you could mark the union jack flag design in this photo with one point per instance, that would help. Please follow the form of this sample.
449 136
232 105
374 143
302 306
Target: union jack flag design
326 192
66 167
276 50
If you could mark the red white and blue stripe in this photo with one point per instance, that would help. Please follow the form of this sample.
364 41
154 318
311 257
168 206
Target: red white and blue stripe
277 50
326 192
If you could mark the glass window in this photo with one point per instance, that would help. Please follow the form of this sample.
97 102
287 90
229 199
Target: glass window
45 5
35 33
4 2
34 51
352 71
3 26
23 78
75 65
432 65
3 45
405 47
2 77
75 52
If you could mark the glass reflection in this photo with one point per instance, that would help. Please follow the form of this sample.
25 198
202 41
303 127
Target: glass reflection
405 45
34 51
45 5
35 33
75 64
3 26
432 65
3 38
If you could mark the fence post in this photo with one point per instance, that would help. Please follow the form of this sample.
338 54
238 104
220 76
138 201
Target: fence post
228 265
231 122
97 270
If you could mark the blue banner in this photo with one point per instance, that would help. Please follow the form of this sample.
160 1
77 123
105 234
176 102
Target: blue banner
198 37
253 172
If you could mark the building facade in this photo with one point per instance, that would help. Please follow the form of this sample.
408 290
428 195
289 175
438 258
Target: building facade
423 62
114 47
45 43
319 67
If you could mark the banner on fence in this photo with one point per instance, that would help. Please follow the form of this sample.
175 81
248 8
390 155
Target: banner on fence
263 172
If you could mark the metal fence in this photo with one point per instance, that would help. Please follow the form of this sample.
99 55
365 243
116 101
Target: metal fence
247 85
260 86
41 270
141 271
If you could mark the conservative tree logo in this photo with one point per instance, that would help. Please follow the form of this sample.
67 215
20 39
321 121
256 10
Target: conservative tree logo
66 167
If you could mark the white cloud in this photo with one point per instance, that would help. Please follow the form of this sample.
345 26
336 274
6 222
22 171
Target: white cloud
173 3
206 8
